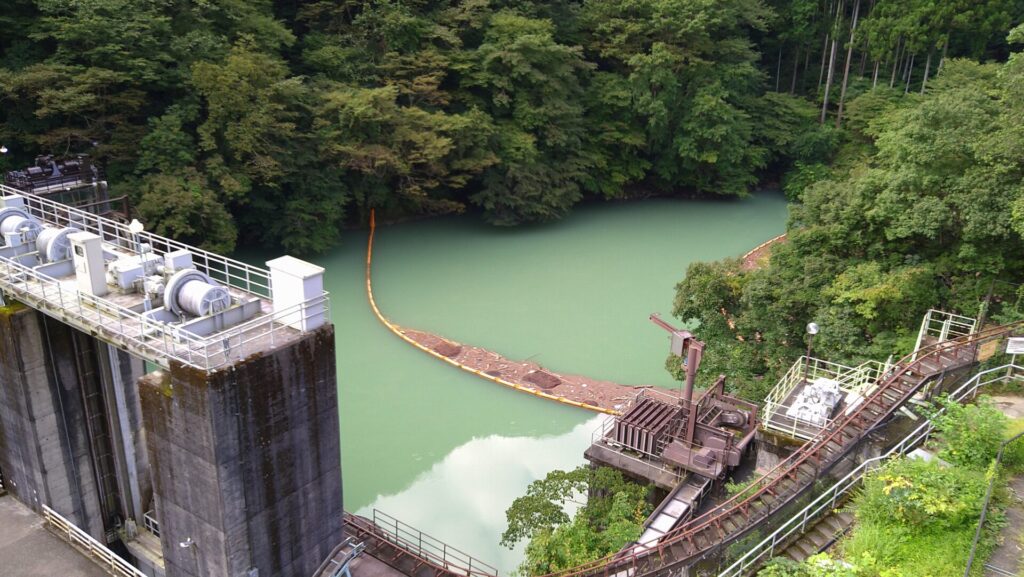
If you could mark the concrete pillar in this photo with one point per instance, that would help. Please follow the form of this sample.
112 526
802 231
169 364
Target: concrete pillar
246 462
45 449
773 448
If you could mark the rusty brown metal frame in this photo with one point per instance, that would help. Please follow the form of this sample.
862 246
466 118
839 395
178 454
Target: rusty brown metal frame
773 480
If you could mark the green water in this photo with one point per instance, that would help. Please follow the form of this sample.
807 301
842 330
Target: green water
447 452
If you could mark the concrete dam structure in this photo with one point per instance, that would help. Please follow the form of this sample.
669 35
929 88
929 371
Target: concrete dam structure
172 404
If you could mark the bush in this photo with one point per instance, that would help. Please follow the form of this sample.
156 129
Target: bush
921 495
612 516
918 518
822 565
970 434
1013 456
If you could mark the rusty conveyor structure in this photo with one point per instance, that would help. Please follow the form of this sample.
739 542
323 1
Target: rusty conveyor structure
731 520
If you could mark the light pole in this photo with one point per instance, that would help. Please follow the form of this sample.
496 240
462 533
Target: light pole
3 149
812 329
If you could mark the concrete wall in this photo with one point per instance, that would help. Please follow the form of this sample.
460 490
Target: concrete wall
121 372
44 447
246 462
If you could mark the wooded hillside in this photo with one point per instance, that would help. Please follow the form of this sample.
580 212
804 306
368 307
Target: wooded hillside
278 122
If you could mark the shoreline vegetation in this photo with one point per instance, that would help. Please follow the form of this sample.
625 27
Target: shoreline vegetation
279 123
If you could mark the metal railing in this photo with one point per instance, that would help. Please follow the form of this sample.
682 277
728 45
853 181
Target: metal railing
805 369
985 504
420 545
55 183
88 546
150 339
827 501
251 279
944 326
150 523
859 379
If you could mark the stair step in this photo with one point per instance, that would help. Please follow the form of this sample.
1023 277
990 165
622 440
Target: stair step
794 554
728 526
806 547
833 524
818 538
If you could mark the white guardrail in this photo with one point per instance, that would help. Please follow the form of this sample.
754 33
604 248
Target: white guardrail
859 380
153 340
88 546
943 326
826 502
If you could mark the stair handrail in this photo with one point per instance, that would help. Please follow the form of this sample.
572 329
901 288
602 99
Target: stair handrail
799 457
849 481
87 545
988 498
426 548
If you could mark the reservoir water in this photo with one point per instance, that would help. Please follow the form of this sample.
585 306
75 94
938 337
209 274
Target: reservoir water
447 452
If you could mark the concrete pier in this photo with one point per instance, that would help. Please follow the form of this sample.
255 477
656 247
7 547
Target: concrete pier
246 461
228 453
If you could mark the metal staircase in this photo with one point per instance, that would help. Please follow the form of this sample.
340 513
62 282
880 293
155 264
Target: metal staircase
410 551
820 537
730 521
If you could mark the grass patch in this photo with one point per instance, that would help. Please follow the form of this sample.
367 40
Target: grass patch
919 552
1013 458
918 519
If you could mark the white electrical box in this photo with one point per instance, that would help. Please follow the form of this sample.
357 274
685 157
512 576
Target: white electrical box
124 272
177 260
87 254
294 282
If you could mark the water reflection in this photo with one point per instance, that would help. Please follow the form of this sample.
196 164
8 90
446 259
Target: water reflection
462 499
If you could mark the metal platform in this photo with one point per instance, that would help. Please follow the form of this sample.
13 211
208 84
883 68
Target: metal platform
727 522
118 318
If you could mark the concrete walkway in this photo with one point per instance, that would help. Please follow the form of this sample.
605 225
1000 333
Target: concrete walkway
27 549
1006 559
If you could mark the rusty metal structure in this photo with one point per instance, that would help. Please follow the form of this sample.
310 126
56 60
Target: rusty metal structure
705 437
404 549
708 534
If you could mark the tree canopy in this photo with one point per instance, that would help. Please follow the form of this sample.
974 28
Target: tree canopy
609 513
280 122
920 209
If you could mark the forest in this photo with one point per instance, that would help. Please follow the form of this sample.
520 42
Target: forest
921 206
896 129
282 122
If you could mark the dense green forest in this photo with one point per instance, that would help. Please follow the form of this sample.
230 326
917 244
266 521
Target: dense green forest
921 206
895 127
280 122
